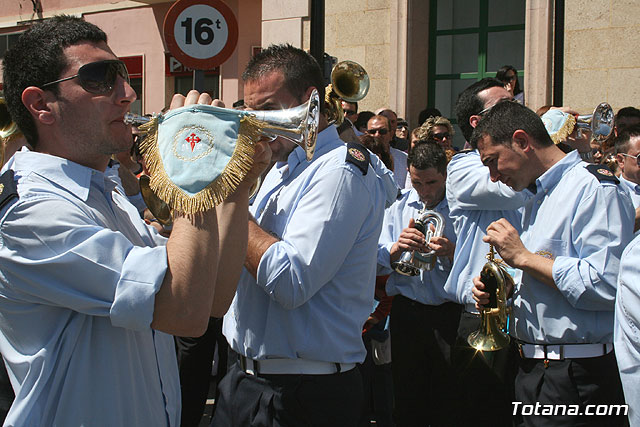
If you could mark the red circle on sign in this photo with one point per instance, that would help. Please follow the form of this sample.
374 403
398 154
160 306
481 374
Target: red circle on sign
200 63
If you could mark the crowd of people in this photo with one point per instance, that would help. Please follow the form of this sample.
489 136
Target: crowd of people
324 296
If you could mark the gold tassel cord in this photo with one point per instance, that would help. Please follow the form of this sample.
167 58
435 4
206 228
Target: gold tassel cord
565 130
219 189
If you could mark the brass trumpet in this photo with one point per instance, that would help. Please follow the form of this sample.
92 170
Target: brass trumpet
493 317
349 82
412 262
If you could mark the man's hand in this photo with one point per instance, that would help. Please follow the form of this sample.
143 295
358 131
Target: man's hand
506 240
442 246
411 239
479 295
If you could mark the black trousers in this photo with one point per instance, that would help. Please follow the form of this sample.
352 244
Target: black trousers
485 380
195 356
288 400
377 385
572 382
424 379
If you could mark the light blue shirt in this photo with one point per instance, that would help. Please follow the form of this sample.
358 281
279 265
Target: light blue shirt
583 225
626 335
428 287
315 286
475 202
79 271
632 189
400 171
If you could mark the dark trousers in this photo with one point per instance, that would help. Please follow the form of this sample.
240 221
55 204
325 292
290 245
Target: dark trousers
195 356
377 384
578 382
288 400
485 380
424 380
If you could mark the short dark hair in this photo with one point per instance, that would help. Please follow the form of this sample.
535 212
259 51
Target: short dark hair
363 119
626 112
504 119
428 154
355 104
38 58
623 139
426 113
469 103
300 70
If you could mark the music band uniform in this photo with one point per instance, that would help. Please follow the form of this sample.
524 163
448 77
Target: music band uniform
424 321
626 337
580 218
64 331
475 202
297 328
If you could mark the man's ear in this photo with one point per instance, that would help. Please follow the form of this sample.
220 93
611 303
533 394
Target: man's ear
473 120
521 139
37 102
620 160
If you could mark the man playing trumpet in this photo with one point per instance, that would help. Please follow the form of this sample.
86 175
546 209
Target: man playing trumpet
575 227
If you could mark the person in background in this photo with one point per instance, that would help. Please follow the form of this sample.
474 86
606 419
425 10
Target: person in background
426 113
508 75
424 316
402 130
378 127
398 144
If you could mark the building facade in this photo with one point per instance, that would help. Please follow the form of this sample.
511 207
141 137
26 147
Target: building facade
418 53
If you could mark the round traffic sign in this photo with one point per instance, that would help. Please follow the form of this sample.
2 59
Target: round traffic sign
201 34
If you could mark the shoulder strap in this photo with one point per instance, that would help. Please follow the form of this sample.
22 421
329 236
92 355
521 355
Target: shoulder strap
8 188
603 173
359 156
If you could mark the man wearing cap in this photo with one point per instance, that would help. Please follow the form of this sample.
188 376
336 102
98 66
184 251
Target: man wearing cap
574 229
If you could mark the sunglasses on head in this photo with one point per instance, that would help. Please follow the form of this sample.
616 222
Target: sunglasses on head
98 77
382 131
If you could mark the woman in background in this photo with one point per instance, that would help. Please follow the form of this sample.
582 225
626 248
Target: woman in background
509 76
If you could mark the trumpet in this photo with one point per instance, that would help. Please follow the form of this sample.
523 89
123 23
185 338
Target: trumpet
349 82
600 122
412 262
298 124
493 317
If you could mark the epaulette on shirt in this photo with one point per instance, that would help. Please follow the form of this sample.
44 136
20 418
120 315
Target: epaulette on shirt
359 156
8 188
603 173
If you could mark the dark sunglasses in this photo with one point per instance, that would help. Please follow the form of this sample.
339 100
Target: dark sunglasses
442 135
382 131
349 112
98 77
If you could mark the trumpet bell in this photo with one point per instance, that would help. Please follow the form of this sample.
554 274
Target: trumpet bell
350 81
298 124
160 210
490 336
600 122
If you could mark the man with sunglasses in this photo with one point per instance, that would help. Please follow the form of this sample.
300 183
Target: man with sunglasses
475 202
91 295
378 127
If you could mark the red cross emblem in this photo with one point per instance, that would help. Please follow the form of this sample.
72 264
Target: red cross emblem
192 139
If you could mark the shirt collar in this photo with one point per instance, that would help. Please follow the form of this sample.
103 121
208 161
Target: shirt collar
69 175
552 176
630 184
326 141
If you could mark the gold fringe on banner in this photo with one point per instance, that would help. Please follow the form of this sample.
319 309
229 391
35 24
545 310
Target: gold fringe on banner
220 188
565 130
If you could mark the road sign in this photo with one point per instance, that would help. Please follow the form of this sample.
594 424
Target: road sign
201 34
